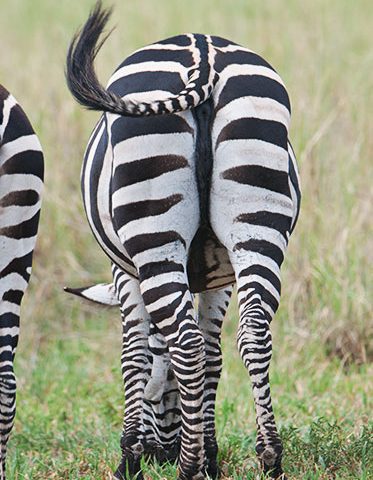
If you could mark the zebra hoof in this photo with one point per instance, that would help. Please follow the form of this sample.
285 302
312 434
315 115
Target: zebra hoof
155 453
199 476
274 470
211 453
129 469
270 459
213 471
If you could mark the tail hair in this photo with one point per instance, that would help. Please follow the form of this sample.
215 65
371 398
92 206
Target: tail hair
85 87
102 294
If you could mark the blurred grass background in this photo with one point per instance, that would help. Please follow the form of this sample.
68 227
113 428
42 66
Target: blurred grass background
70 394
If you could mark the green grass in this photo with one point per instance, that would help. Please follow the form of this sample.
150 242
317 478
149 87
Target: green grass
70 399
70 410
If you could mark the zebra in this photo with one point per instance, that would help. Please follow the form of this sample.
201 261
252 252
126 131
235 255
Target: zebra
189 184
21 182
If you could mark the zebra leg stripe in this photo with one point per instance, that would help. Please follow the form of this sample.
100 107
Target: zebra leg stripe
162 414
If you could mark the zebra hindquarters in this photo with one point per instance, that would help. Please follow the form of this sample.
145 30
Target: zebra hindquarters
251 214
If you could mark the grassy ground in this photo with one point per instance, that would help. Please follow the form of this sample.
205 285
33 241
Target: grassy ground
70 395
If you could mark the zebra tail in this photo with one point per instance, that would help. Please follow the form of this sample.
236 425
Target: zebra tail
103 294
85 87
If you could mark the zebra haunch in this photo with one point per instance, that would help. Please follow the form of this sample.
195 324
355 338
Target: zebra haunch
174 221
21 182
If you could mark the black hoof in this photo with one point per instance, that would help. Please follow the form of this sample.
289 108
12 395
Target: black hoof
211 452
198 476
172 453
129 469
154 452
213 471
274 471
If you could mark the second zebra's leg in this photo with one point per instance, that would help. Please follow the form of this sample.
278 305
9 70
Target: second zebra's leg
134 361
212 306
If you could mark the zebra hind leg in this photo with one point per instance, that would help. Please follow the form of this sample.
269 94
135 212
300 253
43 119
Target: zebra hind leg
162 405
135 367
212 306
12 288
258 290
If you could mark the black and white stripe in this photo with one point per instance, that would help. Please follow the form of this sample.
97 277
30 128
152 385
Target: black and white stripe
21 181
189 184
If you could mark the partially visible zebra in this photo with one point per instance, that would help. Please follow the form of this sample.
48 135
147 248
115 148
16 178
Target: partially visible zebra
202 193
21 182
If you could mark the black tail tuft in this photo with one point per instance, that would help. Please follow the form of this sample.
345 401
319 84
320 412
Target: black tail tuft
80 73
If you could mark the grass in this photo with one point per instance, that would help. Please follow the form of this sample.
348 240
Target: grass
70 395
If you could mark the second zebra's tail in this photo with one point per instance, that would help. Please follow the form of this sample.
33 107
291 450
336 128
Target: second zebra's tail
87 90
102 294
